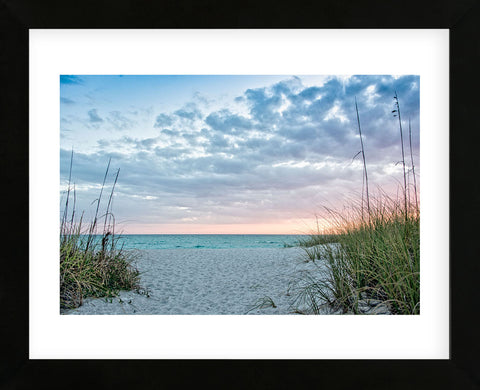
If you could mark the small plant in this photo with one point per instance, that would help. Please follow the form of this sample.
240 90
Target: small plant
262 303
313 253
91 264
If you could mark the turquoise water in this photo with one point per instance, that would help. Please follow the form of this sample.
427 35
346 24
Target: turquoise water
212 241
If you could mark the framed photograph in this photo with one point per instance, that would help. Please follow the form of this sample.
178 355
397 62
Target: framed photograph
214 156
222 172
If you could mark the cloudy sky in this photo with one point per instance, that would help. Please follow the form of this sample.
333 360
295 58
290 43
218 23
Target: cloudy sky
231 154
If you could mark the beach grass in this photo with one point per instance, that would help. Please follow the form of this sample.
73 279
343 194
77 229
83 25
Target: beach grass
262 303
376 258
372 251
92 261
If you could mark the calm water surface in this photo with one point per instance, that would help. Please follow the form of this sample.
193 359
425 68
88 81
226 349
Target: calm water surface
212 241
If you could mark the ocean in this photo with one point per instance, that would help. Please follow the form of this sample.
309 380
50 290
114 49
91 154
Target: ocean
208 241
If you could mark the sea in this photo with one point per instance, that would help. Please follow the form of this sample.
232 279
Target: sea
211 241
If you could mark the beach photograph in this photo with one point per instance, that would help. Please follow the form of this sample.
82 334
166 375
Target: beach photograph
239 194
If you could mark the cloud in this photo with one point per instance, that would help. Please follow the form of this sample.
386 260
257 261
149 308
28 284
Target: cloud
163 120
148 143
170 133
65 100
103 143
218 142
119 121
227 122
263 106
189 111
93 116
70 79
310 94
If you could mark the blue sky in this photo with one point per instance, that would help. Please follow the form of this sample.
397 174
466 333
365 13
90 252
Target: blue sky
231 154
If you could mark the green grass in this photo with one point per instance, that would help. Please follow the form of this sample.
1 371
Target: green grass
373 251
373 258
92 264
262 303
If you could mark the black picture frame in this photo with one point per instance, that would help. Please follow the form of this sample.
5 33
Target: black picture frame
460 17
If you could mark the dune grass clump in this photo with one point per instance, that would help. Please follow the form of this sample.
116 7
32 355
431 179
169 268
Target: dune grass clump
373 253
376 259
92 264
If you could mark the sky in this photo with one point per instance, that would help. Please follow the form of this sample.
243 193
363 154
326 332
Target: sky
232 154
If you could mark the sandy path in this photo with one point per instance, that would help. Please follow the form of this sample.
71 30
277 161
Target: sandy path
208 281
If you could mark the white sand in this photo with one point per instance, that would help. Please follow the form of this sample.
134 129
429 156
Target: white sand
210 281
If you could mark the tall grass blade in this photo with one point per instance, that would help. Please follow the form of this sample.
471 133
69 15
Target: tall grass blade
364 162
